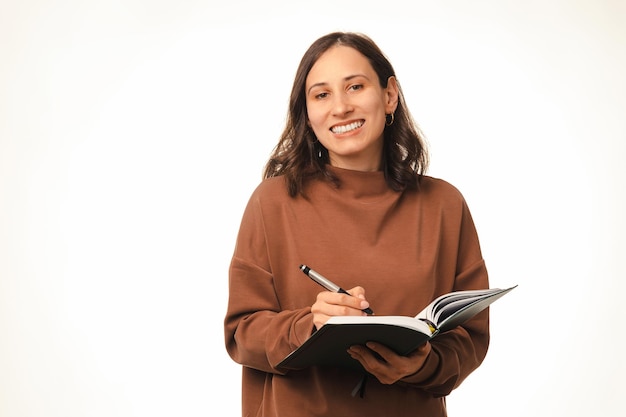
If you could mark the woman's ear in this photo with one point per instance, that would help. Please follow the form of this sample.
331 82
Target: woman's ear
392 93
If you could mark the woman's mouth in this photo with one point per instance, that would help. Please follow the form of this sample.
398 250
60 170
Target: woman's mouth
347 128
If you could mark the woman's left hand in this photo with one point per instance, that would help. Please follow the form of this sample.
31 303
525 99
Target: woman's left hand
386 365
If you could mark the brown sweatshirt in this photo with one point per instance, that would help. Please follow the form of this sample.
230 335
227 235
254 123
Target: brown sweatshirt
403 248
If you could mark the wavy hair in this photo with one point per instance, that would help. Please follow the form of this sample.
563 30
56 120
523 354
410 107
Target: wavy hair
299 156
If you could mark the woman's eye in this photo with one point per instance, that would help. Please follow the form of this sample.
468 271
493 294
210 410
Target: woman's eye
321 95
356 87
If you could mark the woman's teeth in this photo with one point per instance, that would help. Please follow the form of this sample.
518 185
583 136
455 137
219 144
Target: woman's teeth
347 128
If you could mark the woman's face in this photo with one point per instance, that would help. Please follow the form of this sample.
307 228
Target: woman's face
347 108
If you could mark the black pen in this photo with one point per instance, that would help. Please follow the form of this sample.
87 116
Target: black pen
326 283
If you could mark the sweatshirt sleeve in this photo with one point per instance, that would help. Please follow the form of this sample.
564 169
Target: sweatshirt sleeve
457 353
258 332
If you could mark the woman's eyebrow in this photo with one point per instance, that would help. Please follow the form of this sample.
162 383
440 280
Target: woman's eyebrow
324 83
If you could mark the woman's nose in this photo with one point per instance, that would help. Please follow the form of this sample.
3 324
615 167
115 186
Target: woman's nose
341 105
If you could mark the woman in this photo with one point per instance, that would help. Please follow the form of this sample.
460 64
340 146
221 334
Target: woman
345 192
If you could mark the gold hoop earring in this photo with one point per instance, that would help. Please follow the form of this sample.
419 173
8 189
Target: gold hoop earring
389 119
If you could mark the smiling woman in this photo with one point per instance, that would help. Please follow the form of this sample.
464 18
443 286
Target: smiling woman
347 108
398 146
345 192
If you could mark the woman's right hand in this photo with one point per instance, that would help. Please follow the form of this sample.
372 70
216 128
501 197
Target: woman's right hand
330 304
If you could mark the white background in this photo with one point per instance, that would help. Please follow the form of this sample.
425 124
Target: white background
132 133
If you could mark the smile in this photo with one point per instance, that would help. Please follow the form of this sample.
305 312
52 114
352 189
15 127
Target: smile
348 127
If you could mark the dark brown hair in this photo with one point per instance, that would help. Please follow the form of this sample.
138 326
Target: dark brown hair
299 156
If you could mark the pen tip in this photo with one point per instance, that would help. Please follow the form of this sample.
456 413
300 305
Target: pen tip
302 267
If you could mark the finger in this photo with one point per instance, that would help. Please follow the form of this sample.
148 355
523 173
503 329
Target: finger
339 304
385 353
358 292
373 364
401 366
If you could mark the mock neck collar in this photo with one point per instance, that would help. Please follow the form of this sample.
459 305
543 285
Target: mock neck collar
360 184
